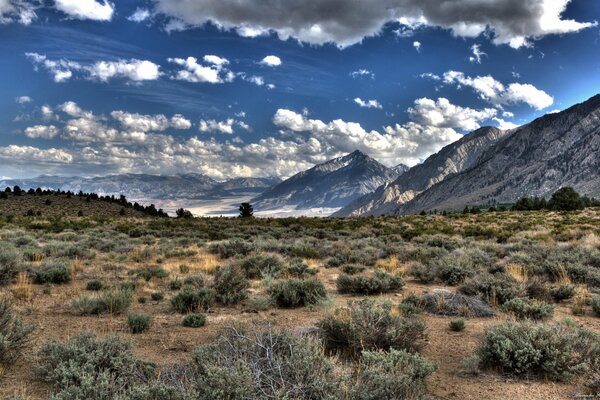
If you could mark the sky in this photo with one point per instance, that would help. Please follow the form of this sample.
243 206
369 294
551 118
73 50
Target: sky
240 88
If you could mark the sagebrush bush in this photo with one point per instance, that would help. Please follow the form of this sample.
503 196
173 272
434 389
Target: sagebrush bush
299 269
352 269
262 265
457 325
194 320
230 285
152 272
524 308
291 293
495 289
139 323
157 296
53 271
365 326
392 375
562 292
112 302
191 300
232 248
379 282
443 302
422 273
94 285
554 351
14 335
10 258
595 303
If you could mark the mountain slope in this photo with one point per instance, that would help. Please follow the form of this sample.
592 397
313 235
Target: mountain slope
329 185
452 159
553 151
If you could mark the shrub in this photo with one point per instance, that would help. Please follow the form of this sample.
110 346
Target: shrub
129 286
175 284
537 289
380 282
195 281
113 302
10 259
94 285
262 265
191 300
352 269
152 272
554 351
562 292
524 308
364 326
230 285
391 375
157 296
292 293
494 289
138 323
422 273
259 303
457 325
264 364
232 248
53 272
86 367
300 269
595 303
443 302
194 320
14 335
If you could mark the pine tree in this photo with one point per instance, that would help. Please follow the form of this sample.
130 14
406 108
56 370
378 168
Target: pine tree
246 210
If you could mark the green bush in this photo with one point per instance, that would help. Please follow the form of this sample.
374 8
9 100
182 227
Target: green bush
495 289
262 265
152 272
138 323
55 271
230 285
554 351
94 285
175 284
365 326
130 286
379 282
191 300
524 308
14 335
194 320
562 292
195 281
457 325
10 259
112 302
352 269
391 375
293 293
299 269
157 296
422 273
232 248
595 303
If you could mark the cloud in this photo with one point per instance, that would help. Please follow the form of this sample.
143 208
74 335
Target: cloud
63 70
512 22
362 73
271 61
20 11
86 9
41 131
26 155
224 127
140 15
214 72
505 125
417 46
443 114
257 80
493 91
477 54
368 103
146 123
23 100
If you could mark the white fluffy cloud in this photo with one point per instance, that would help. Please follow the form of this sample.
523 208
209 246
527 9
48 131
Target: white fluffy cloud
146 123
140 15
225 127
417 45
271 61
443 114
505 125
23 100
214 70
86 9
41 131
26 155
62 70
20 11
495 92
368 103
512 22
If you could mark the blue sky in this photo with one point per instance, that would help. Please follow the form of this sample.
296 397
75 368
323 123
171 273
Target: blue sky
258 88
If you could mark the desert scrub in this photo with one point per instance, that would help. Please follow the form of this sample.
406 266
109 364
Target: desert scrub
422 273
291 293
90 368
443 302
595 303
152 272
138 323
365 326
230 285
232 248
157 296
194 320
555 351
257 266
234 367
391 375
494 289
112 302
14 335
562 292
299 269
10 258
94 285
524 308
53 271
379 282
457 325
191 300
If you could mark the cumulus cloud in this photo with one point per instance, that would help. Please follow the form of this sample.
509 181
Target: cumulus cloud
62 70
41 131
225 127
86 9
140 15
417 45
271 61
493 91
477 54
146 123
362 73
511 22
443 114
213 71
20 11
368 103
23 100
26 155
505 125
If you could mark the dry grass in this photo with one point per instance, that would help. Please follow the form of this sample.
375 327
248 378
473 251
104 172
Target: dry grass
23 290
205 262
392 265
518 272
580 300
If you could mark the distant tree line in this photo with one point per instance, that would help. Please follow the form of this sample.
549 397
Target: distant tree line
121 200
564 199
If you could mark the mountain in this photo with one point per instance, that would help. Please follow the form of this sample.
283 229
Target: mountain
150 187
452 159
401 168
329 185
554 151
